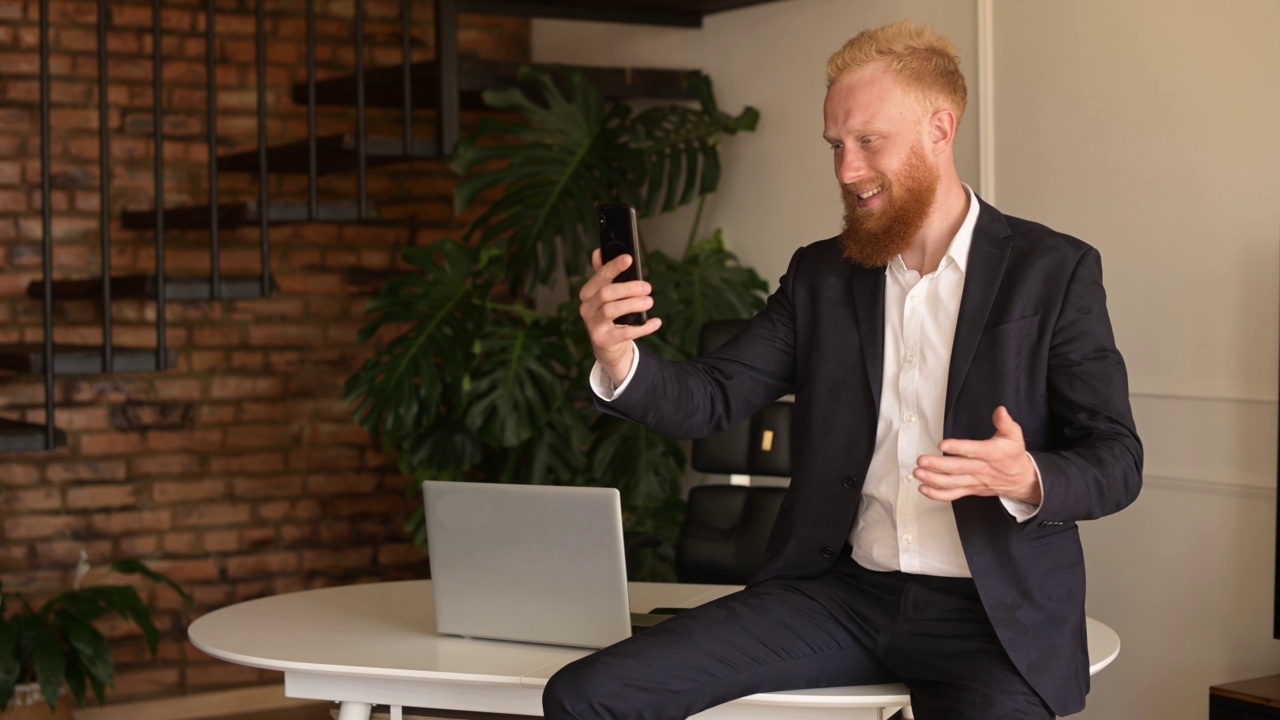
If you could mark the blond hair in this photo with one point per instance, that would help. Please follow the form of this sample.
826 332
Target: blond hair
925 60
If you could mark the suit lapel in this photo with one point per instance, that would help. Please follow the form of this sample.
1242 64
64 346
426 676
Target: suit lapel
987 257
868 302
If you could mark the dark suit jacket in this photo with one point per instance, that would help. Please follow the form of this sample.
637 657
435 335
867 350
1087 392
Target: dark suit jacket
1032 334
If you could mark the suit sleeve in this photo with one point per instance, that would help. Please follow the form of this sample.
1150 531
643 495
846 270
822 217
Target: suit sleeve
700 397
1095 468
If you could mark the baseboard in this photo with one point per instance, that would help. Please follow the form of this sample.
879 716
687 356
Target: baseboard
197 706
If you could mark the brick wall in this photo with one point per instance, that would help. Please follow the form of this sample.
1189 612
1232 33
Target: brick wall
239 472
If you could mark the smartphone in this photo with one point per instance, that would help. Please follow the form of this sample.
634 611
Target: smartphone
619 236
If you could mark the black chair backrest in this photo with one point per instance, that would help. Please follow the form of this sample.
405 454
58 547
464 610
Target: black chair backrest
724 533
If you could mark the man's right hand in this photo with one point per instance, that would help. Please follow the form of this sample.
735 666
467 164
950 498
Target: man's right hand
603 302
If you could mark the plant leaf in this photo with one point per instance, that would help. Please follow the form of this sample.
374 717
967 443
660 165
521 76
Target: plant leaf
91 650
514 387
50 663
135 567
10 662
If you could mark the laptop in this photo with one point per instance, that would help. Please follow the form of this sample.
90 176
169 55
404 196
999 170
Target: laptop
535 563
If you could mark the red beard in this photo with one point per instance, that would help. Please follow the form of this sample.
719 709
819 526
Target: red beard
872 237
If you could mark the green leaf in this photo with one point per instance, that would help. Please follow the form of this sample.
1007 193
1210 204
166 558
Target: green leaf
125 602
134 567
709 284
644 466
10 661
92 651
514 387
50 664
418 375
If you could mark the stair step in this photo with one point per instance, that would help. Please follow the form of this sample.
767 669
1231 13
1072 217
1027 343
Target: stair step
24 437
242 214
143 287
384 86
334 153
79 359
680 13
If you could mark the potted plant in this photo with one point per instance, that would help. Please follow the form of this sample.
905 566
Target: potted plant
481 374
46 647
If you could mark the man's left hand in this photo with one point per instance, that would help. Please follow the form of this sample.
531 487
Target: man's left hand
996 467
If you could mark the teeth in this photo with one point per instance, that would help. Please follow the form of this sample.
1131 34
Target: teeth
869 193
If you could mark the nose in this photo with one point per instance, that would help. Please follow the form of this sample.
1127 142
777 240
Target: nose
850 167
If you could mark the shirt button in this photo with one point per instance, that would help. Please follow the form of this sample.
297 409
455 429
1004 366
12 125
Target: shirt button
908 418
828 552
907 538
908 477
848 482
910 358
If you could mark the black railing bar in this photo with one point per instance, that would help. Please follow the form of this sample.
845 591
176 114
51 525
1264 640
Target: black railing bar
520 8
157 86
313 192
46 207
264 201
211 69
104 183
362 140
406 51
447 66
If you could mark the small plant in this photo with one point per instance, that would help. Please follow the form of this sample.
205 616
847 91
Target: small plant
57 643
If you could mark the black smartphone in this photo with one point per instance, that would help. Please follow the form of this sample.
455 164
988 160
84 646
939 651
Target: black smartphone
619 236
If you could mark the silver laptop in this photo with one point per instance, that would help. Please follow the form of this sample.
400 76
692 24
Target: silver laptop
537 563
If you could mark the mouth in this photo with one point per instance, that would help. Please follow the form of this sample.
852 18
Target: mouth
869 198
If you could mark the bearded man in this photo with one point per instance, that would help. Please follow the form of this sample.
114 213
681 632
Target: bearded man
959 405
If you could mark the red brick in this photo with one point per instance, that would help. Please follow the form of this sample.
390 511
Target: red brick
181 543
212 514
304 509
266 462
16 474
40 498
329 560
262 564
66 553
327 458
245 388
375 505
249 361
263 335
275 486
217 414
111 443
220 541
261 436
205 361
139 545
86 470
341 483
169 440
130 521
98 497
400 554
165 464
194 570
187 491
38 527
178 389
337 434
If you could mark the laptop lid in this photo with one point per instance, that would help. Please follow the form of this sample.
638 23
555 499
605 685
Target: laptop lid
537 563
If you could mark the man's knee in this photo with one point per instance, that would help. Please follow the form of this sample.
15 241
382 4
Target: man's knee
573 693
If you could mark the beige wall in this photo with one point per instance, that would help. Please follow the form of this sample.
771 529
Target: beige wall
1145 127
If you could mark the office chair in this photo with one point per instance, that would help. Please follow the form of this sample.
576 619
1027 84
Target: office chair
726 526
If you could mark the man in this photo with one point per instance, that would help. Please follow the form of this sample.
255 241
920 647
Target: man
960 404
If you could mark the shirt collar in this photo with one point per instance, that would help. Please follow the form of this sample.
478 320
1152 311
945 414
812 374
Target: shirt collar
958 250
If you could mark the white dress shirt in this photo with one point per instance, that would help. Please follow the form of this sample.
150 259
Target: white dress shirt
897 527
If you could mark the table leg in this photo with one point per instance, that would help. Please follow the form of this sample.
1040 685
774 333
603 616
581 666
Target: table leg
354 711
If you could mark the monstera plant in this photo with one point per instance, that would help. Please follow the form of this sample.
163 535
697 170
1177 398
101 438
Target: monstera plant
477 375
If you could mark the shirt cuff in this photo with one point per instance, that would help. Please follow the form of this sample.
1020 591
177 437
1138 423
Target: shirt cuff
1023 511
602 384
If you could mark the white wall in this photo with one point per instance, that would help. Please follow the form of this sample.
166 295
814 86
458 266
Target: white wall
1144 127
1147 127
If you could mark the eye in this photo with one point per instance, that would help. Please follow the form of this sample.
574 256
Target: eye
869 140
836 146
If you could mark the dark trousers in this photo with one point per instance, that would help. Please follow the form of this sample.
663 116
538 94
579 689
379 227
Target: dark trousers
850 626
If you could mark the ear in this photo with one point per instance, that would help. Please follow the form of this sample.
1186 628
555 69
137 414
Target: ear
942 130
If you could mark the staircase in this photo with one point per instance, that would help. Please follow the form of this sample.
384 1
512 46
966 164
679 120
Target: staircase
444 86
